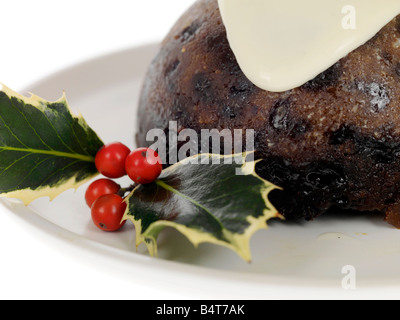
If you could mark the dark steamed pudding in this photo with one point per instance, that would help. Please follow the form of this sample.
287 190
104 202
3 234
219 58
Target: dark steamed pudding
332 143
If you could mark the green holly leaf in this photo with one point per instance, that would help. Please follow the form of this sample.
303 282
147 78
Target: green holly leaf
44 148
214 201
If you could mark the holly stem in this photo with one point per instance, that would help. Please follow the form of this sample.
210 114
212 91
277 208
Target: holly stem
123 191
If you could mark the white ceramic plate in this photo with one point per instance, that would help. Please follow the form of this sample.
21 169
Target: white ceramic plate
290 260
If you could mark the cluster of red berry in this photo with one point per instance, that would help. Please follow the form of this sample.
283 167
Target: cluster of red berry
105 196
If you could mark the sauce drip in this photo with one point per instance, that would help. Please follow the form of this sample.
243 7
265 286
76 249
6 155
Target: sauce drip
282 44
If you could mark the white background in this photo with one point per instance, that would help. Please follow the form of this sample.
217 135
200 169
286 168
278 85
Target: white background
39 38
42 37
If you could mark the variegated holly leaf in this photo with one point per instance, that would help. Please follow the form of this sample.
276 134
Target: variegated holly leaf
214 201
44 148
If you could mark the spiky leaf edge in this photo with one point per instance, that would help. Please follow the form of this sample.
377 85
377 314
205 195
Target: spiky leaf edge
28 195
240 243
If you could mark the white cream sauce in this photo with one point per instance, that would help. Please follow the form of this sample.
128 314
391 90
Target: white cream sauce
282 44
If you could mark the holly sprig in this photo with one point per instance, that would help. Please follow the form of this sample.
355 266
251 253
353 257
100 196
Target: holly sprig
45 149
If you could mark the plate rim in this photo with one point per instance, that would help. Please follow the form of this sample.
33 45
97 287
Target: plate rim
259 281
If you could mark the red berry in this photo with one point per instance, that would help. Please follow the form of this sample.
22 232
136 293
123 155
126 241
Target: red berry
143 165
110 160
108 211
99 188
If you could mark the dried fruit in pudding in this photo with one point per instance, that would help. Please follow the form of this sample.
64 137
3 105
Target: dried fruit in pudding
333 142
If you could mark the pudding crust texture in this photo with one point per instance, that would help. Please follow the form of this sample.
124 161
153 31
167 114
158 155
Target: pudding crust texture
332 143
